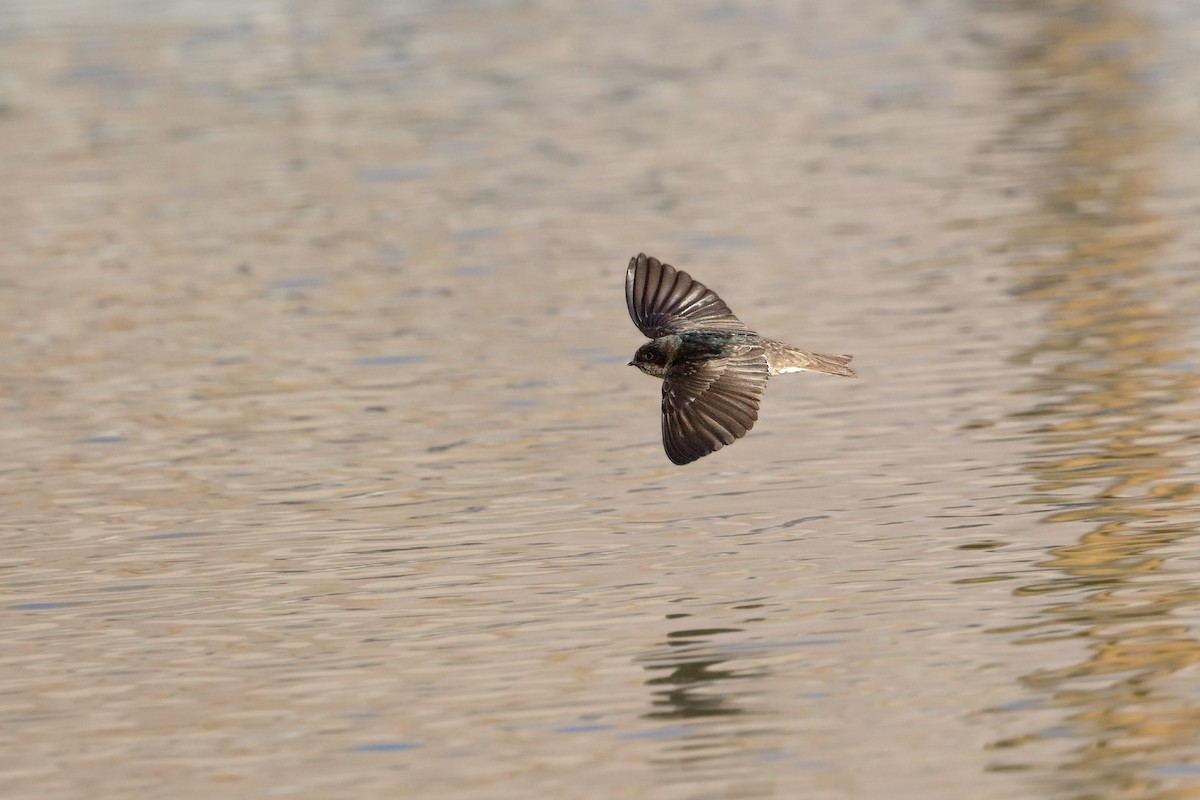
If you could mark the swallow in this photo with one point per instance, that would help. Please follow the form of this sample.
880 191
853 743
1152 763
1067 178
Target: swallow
714 369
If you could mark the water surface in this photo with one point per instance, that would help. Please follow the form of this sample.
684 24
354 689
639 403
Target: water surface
325 475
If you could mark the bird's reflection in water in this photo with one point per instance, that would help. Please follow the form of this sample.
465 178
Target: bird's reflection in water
689 677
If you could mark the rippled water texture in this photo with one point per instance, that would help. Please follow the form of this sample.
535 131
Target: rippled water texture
325 477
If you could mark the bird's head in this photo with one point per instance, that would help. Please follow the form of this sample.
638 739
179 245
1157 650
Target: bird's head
654 357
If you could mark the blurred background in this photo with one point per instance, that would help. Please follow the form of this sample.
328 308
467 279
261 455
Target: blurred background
325 476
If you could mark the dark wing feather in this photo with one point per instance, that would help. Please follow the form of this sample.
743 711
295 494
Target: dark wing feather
710 403
663 300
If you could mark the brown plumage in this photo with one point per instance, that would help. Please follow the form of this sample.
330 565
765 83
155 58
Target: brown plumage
714 368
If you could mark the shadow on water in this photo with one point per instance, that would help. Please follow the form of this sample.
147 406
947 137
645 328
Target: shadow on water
1110 419
692 664
703 687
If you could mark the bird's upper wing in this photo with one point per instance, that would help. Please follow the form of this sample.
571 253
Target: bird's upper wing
709 403
664 300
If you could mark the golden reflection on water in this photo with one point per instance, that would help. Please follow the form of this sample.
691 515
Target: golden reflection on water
1106 416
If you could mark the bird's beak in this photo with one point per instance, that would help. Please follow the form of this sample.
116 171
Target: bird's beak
630 364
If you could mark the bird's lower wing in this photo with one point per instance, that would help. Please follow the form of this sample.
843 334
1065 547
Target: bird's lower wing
710 403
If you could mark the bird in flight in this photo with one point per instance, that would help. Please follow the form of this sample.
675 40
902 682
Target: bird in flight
714 368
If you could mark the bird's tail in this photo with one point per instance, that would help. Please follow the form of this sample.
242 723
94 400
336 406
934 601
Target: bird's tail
785 358
832 365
